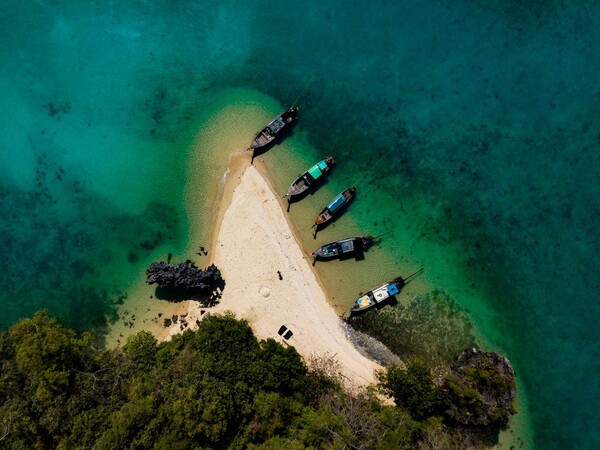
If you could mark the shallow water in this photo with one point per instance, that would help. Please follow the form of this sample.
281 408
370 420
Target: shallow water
468 128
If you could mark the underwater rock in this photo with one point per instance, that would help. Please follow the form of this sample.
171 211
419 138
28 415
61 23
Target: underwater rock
58 109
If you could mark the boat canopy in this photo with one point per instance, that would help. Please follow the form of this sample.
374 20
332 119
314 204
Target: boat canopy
364 301
322 165
336 203
347 246
315 171
381 293
276 125
393 289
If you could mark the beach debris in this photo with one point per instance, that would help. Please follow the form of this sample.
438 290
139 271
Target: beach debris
285 332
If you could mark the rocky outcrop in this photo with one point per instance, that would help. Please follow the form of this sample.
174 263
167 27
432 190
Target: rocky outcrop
481 389
184 280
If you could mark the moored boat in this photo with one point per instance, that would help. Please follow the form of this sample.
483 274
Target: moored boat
343 247
310 177
269 133
335 206
377 295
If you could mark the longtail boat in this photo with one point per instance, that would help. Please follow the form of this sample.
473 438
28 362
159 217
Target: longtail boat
310 177
335 206
343 247
377 295
268 133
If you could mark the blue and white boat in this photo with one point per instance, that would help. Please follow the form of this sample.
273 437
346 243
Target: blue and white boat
335 206
377 295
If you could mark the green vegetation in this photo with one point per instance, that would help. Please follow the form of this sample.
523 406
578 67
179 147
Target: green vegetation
476 395
216 387
414 390
481 389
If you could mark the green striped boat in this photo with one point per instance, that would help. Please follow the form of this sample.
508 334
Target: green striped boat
309 178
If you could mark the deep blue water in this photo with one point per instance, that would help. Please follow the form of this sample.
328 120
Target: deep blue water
486 113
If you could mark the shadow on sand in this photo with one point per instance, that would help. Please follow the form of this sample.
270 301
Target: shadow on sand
205 298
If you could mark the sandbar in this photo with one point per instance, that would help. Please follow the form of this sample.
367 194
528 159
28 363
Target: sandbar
253 241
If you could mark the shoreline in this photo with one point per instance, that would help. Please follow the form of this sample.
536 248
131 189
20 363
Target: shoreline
213 171
227 186
300 302
264 173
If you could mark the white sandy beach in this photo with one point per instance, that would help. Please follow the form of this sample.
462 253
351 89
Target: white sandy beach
253 242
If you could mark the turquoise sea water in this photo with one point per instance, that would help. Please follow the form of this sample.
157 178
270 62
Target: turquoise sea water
483 113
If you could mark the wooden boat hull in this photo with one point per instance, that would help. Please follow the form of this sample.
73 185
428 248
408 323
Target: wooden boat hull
343 247
269 133
309 178
377 295
335 206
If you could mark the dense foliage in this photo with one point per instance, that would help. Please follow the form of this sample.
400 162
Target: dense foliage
414 389
477 394
216 387
481 389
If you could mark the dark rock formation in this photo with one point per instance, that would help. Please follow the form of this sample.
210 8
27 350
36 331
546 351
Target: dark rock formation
184 275
184 280
481 389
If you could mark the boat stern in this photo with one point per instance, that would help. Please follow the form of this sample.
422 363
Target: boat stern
321 219
362 303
